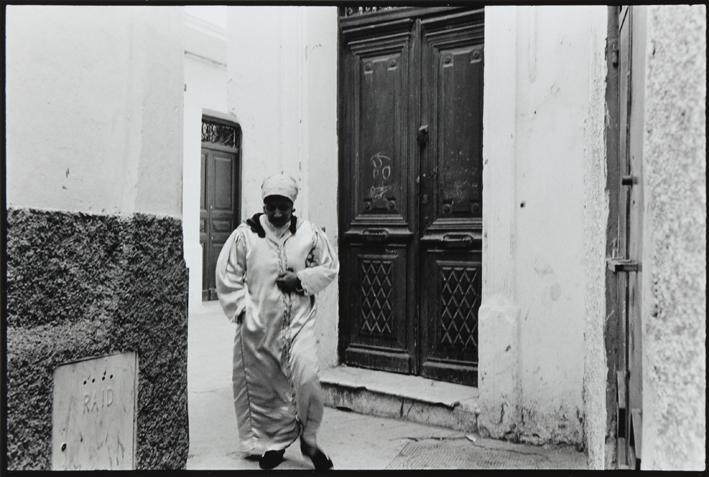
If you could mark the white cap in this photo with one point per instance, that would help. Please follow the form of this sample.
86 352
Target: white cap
280 184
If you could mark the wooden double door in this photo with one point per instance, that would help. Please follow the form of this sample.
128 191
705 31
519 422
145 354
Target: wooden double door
411 98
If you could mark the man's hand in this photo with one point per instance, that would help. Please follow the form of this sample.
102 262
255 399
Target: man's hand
288 281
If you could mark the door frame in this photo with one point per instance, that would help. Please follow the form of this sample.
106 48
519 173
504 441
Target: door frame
624 240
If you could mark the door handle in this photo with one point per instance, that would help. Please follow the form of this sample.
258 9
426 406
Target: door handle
457 240
422 135
375 235
452 238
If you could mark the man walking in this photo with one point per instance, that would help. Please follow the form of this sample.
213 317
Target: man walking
267 276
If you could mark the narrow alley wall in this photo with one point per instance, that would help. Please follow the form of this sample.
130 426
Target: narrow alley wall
284 95
94 157
674 239
541 319
205 80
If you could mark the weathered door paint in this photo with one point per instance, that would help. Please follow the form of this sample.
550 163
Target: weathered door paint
411 191
219 195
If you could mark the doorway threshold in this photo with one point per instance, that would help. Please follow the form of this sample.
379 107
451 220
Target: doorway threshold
400 396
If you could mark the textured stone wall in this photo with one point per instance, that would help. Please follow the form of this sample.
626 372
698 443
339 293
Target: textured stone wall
595 220
674 254
82 285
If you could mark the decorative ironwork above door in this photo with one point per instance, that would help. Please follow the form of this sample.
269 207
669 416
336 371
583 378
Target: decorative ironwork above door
220 133
352 11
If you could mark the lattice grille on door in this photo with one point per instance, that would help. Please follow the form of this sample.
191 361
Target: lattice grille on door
376 288
459 306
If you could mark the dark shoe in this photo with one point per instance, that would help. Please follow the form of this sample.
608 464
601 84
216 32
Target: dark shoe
271 459
320 460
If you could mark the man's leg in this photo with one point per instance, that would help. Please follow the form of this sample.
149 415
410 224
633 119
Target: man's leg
308 394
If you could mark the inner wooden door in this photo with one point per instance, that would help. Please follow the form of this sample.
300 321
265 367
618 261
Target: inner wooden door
219 197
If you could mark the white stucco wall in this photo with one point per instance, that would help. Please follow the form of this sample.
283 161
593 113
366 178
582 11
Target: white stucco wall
205 78
94 117
593 264
321 132
542 314
673 140
282 88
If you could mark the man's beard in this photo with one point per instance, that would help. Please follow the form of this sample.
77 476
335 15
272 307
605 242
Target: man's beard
278 222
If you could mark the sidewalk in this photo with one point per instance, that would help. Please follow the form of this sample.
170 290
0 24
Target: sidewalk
353 441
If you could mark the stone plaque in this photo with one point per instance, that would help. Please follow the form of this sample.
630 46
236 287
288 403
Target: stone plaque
94 413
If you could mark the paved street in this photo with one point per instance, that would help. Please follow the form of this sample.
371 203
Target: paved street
353 441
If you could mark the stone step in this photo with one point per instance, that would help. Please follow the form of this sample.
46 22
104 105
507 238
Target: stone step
400 396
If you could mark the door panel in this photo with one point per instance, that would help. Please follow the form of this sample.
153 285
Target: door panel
223 181
630 197
380 152
379 159
379 323
222 216
622 278
222 190
451 203
203 220
634 235
452 107
451 302
377 229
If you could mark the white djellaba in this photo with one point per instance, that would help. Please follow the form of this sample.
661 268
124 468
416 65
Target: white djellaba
277 395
